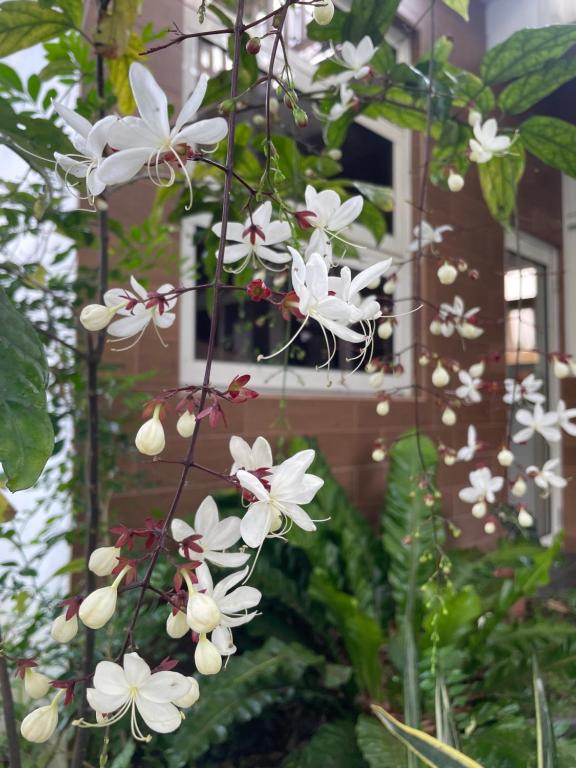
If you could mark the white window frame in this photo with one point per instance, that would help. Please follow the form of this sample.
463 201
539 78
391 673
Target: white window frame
547 255
394 245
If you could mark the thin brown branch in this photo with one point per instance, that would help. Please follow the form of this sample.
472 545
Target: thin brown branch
9 715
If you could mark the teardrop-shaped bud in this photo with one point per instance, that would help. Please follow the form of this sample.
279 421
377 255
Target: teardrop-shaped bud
103 560
324 13
191 697
98 608
202 613
40 724
64 630
207 658
36 684
177 625
150 439
186 424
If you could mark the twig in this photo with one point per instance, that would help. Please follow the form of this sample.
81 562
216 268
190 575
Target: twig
9 715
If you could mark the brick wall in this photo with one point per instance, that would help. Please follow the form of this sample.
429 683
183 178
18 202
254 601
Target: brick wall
347 425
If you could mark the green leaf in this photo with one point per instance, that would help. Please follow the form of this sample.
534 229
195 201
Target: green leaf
380 749
252 682
446 730
526 51
24 23
552 140
431 751
333 744
499 180
362 635
544 727
115 27
381 197
527 91
10 78
27 437
460 6
460 608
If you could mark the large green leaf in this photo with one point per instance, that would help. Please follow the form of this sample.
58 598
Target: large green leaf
523 93
553 141
253 681
24 23
380 748
362 635
499 179
460 6
431 751
446 730
526 51
26 437
333 744
544 727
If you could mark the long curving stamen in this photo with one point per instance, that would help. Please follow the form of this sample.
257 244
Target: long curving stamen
274 354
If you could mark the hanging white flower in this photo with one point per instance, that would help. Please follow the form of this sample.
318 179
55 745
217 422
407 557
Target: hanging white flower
425 236
564 415
468 451
537 422
149 141
470 388
39 725
134 688
253 240
483 487
347 98
486 142
455 317
356 59
329 215
278 506
546 478
257 457
528 389
214 536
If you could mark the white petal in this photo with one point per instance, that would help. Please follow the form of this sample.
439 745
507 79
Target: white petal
161 718
252 484
164 320
240 599
274 257
206 516
469 495
150 99
233 253
128 326
209 131
193 103
78 168
227 559
365 277
262 215
123 166
132 132
346 214
222 639
74 120
299 516
106 703
109 678
224 534
228 583
98 136
262 453
163 687
255 524
136 670
277 232
181 530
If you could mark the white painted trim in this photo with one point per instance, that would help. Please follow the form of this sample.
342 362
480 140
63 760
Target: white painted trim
569 254
543 253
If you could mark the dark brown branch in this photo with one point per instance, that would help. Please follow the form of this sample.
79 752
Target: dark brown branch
9 715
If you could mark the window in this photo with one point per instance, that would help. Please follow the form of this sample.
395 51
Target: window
376 152
532 331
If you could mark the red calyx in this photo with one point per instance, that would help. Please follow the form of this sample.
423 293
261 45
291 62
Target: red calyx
254 231
258 290
303 219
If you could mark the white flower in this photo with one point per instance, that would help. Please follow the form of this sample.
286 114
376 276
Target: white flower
430 236
467 452
289 487
191 697
455 317
63 630
41 723
207 657
36 684
90 141
356 59
253 239
564 415
149 140
455 182
135 688
324 12
470 388
474 117
347 97
546 478
537 421
202 613
103 560
150 439
257 457
139 309
212 536
447 273
527 389
483 487
486 143
177 625
331 215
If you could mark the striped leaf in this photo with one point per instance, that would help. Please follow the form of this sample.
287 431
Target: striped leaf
431 751
544 727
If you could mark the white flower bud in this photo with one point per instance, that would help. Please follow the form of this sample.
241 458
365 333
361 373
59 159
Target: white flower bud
479 509
150 439
335 154
95 317
435 327
383 408
186 424
207 658
324 13
455 182
469 331
371 367
97 609
177 625
378 454
490 527
561 369
202 613
505 457
477 370
64 630
474 117
447 273
36 684
103 560
525 519
385 330
191 697
390 286
41 723
519 487
440 376
260 119
449 459
448 417
376 380
572 366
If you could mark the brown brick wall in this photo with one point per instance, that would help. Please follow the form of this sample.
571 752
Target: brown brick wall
347 425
